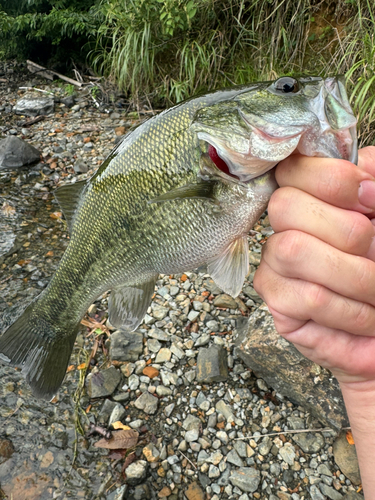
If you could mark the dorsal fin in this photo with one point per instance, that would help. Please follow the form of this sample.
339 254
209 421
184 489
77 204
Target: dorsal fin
68 197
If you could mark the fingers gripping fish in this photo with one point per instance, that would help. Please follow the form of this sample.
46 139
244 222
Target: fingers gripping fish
180 191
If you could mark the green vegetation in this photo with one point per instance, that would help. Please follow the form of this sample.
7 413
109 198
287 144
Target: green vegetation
54 30
169 50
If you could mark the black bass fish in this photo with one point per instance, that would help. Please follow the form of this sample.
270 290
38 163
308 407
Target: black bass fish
180 191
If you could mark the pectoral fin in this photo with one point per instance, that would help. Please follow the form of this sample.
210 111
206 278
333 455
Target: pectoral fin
203 190
128 305
229 269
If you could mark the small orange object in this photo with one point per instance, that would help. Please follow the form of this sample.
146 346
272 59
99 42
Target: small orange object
88 408
184 277
56 215
49 254
70 368
86 140
82 366
150 372
349 437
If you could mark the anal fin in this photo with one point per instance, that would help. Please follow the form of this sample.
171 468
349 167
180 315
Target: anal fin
229 269
128 305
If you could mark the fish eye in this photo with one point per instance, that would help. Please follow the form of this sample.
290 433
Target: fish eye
287 84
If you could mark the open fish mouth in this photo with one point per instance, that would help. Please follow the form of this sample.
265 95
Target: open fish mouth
320 123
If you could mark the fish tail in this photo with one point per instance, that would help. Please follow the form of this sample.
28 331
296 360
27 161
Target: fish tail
41 349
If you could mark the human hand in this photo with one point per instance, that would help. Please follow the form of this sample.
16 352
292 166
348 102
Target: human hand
317 273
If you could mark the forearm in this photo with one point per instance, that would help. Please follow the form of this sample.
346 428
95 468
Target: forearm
360 404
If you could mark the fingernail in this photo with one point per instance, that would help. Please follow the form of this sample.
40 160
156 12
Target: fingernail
366 194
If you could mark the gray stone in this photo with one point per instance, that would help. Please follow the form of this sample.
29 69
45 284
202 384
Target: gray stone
106 411
158 334
225 301
193 315
213 325
287 453
117 414
234 459
278 362
133 382
169 409
225 410
103 383
126 346
202 340
119 493
251 293
246 479
329 492
241 448
147 402
80 167
212 364
159 312
68 101
191 422
163 391
346 458
308 442
136 472
141 492
213 471
353 495
323 469
153 345
179 353
163 355
15 152
315 493
34 106
265 446
192 435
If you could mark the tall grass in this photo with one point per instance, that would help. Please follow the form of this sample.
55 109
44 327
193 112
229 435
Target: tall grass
176 48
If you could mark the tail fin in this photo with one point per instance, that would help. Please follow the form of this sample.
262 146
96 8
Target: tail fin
40 349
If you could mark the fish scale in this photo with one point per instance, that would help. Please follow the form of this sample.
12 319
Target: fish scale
180 191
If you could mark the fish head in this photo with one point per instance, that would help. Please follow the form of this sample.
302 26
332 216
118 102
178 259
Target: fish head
258 126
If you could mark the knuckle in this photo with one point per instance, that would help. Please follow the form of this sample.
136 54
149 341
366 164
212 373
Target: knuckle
333 181
364 273
279 205
290 247
360 234
316 297
364 319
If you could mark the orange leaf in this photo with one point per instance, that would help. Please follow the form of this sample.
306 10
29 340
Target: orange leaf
56 215
70 368
82 366
120 425
349 437
184 277
88 408
49 254
119 440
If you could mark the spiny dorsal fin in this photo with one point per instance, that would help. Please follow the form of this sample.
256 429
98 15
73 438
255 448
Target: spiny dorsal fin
128 305
68 198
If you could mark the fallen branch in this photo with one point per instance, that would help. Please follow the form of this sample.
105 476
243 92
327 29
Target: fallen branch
49 74
38 90
27 123
188 459
298 431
